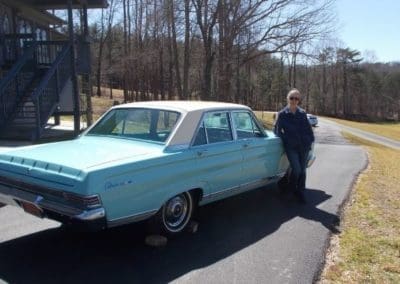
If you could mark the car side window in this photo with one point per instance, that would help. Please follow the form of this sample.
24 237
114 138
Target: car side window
201 137
245 126
214 128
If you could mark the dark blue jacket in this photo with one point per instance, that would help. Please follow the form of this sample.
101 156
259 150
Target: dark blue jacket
294 129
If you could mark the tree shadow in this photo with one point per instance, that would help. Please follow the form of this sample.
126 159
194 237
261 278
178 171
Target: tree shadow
120 254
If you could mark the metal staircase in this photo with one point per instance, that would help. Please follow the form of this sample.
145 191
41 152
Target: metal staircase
30 91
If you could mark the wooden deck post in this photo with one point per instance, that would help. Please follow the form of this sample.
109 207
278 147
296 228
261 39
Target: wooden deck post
86 77
74 78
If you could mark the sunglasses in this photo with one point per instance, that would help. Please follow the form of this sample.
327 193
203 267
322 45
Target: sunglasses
294 98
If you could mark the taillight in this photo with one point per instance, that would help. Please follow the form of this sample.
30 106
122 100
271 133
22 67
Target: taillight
83 201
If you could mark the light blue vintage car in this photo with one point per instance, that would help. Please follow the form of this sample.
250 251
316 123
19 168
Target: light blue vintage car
149 160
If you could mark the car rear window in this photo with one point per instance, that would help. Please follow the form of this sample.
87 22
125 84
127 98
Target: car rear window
138 123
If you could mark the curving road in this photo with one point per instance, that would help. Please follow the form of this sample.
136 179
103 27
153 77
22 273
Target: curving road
251 238
364 134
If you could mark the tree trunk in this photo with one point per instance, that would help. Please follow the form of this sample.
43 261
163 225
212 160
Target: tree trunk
161 61
171 93
98 71
175 49
206 93
344 89
125 87
186 60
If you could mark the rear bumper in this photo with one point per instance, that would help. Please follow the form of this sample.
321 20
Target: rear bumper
54 210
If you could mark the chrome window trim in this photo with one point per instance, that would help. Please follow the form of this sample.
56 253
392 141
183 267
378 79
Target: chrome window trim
104 116
201 122
254 123
232 124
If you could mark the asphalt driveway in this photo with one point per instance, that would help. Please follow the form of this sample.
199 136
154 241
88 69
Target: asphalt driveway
255 237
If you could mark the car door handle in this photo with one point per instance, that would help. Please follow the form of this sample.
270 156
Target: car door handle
201 152
246 145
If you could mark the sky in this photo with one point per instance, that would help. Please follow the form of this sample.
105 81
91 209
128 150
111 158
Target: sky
372 25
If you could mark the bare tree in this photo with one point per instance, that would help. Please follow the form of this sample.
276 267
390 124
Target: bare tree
274 25
206 16
104 32
174 44
186 56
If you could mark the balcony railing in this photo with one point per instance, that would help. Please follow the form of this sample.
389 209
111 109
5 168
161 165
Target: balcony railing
15 45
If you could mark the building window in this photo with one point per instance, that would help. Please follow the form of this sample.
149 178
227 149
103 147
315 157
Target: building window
24 27
25 31
41 34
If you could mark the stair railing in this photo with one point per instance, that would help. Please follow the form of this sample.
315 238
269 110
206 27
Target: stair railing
14 84
46 95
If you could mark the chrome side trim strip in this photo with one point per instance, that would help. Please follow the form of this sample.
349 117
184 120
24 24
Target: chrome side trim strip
243 187
89 215
131 219
211 195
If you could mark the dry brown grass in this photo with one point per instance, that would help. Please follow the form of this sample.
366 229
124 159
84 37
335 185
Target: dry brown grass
267 118
103 103
368 249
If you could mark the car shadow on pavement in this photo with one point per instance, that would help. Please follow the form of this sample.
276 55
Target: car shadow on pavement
120 255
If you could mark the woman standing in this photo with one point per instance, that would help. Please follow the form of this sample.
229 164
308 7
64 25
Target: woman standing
297 136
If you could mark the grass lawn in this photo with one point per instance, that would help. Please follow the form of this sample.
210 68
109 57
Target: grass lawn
101 104
389 129
368 249
266 117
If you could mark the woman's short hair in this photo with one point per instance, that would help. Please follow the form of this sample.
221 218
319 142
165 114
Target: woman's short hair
292 92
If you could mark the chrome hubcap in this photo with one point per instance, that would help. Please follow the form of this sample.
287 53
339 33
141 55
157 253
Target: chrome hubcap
175 211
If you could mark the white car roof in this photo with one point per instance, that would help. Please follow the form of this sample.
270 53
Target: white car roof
184 106
191 114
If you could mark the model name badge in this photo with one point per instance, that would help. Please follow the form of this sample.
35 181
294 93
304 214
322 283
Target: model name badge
112 185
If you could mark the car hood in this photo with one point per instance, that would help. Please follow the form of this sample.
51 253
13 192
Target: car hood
81 154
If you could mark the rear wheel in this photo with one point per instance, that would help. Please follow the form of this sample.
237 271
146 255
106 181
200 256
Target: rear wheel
175 214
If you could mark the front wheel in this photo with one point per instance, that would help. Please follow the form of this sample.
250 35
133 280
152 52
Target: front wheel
175 214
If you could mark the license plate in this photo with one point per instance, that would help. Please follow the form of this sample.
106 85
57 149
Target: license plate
32 209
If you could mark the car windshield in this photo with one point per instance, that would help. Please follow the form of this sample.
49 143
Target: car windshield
137 123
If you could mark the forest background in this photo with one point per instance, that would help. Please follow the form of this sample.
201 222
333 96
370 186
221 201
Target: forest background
249 52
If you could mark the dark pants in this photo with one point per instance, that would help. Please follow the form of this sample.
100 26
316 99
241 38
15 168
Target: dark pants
298 163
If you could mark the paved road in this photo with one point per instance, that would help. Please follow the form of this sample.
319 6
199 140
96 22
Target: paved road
251 238
365 134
